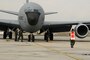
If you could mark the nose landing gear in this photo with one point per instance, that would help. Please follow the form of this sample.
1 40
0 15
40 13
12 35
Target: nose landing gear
31 38
7 33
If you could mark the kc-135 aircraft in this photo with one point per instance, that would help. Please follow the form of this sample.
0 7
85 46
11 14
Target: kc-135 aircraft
31 18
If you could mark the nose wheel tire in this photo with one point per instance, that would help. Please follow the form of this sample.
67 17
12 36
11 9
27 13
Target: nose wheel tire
31 37
51 37
4 35
46 37
10 35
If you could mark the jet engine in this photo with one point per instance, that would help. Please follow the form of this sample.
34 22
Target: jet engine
81 30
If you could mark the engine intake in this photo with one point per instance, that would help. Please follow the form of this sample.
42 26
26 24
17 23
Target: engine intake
81 30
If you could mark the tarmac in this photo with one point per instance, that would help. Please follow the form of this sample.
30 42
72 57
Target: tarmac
58 49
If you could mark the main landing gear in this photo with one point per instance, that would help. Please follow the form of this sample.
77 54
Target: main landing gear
6 33
31 38
48 36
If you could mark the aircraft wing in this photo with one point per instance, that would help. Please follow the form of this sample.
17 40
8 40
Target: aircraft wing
8 24
61 26
65 22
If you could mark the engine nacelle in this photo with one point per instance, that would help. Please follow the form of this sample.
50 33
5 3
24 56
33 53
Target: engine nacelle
81 30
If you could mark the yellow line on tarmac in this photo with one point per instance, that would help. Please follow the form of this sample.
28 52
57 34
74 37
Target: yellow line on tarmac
59 52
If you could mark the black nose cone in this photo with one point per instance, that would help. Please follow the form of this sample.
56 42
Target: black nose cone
32 17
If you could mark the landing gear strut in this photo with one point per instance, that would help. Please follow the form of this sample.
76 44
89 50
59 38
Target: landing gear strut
31 38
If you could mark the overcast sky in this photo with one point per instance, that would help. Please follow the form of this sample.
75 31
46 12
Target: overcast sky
67 9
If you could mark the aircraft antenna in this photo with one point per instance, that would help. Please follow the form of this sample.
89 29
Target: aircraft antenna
27 1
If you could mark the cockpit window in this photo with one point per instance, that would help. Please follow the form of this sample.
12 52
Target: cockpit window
33 17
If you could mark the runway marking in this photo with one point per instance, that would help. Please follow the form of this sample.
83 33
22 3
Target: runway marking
59 52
